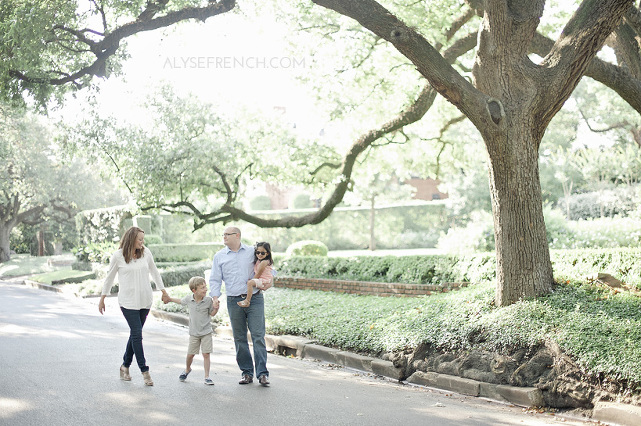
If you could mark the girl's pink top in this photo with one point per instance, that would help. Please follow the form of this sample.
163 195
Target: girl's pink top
266 276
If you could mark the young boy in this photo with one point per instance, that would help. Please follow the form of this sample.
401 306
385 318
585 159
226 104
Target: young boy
201 309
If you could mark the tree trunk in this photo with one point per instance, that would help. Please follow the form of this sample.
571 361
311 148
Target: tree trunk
41 242
523 267
372 217
5 253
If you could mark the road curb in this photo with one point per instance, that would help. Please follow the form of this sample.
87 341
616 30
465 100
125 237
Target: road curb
614 413
171 316
609 413
35 284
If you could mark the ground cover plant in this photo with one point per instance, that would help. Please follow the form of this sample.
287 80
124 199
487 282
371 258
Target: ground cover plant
600 329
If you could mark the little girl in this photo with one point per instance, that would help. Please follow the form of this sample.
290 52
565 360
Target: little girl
262 272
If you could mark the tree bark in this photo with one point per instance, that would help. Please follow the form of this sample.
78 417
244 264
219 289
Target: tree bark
5 253
511 102
523 266
372 223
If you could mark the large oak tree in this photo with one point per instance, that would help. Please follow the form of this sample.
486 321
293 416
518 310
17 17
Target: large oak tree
510 100
35 187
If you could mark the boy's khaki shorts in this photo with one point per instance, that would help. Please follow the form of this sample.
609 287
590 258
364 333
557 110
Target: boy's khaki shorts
198 342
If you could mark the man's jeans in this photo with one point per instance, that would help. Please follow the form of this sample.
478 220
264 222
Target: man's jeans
136 319
253 318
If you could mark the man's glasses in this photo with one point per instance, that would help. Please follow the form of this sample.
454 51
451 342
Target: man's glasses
260 252
231 233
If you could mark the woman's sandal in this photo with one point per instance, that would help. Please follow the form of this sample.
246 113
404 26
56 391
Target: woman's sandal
124 373
147 377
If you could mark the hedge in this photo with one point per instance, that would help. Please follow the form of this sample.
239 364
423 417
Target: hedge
180 275
184 252
430 269
622 263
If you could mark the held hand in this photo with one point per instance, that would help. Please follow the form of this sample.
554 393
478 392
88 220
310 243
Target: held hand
166 298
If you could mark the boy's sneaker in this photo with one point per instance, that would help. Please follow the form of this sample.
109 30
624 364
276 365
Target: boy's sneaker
209 381
183 376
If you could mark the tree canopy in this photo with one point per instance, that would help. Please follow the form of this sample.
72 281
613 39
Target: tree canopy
34 186
520 75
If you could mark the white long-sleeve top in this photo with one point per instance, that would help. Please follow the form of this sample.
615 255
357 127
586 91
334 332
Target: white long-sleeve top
134 290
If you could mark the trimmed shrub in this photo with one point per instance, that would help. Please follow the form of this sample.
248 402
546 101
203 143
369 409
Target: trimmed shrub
622 263
151 239
180 275
184 252
260 202
606 203
569 265
431 269
307 248
301 200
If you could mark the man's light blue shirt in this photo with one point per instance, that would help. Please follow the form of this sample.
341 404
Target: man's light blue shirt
235 268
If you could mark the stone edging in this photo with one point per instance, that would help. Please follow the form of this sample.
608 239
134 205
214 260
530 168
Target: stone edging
620 414
366 287
608 412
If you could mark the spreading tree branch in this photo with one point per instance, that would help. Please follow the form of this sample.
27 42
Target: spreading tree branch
228 212
110 43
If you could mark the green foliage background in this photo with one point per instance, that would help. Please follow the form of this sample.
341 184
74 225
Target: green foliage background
416 225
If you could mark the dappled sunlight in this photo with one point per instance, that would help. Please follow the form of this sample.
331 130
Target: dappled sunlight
7 268
10 407
18 330
137 405
40 315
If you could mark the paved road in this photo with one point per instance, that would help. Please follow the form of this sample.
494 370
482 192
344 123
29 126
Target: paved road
59 362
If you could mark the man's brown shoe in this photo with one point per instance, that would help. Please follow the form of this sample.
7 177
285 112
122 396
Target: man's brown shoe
263 380
247 379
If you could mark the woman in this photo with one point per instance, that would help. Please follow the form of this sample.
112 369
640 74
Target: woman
133 263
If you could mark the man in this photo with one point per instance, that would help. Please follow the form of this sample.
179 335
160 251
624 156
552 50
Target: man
234 264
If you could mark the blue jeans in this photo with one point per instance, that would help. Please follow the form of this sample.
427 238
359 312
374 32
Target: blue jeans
136 319
252 318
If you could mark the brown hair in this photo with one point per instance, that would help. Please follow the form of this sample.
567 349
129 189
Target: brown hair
128 244
194 282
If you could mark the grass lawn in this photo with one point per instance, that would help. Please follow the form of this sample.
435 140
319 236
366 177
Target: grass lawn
24 264
64 275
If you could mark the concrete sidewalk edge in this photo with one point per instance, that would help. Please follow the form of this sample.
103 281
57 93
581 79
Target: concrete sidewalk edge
606 412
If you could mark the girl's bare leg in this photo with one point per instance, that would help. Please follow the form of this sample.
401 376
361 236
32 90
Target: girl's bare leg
250 290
